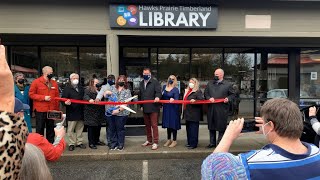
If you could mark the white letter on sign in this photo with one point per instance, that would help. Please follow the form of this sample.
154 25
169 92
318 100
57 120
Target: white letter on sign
193 17
168 17
182 19
141 23
158 21
204 18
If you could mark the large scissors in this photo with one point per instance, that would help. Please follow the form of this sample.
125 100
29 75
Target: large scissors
113 98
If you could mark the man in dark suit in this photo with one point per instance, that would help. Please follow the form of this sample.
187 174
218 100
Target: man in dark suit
218 112
150 89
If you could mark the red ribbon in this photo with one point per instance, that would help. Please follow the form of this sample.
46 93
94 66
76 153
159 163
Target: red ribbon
141 102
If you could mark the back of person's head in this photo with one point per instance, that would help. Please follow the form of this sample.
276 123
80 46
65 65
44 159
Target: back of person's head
34 165
285 116
222 166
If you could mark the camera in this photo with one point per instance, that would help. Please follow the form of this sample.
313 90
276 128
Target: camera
249 126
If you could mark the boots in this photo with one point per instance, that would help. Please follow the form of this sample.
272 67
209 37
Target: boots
167 143
173 144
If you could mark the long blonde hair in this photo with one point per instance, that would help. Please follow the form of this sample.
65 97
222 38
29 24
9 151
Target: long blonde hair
34 165
175 82
196 85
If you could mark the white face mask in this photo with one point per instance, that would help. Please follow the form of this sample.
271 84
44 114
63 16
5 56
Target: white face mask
75 81
191 85
263 131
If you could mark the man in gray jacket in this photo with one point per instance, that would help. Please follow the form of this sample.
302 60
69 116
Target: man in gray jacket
218 112
104 88
150 89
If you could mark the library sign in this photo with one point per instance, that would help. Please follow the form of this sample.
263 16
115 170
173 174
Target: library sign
163 17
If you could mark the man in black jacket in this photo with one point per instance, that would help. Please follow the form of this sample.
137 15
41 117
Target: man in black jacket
74 112
218 112
149 90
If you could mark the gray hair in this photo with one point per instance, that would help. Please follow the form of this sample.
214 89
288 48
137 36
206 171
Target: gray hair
34 165
45 69
16 75
73 74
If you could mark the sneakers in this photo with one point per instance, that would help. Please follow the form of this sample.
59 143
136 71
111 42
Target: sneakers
147 143
167 143
120 148
154 146
113 148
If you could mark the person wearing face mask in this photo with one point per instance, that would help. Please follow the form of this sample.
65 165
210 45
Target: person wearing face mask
285 157
42 91
21 91
170 115
119 116
192 113
74 112
106 87
217 115
150 89
93 114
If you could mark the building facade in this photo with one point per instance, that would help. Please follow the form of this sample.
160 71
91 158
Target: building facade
267 48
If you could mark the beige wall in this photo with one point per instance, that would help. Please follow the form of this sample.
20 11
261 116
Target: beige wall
289 19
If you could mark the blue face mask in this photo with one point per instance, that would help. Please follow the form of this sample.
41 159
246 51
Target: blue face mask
170 81
146 77
111 82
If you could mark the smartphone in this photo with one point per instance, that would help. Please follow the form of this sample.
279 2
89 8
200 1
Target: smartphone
249 126
55 115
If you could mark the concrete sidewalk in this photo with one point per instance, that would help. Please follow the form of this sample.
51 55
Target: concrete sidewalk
134 151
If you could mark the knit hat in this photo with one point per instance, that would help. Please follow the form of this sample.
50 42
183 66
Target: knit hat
222 166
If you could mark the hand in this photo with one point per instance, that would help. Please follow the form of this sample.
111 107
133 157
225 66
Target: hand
234 129
156 99
192 100
47 98
6 83
116 111
312 111
92 101
259 123
97 100
107 93
211 100
59 132
141 108
171 100
68 102
226 100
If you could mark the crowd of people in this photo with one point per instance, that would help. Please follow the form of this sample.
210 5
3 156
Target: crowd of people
24 154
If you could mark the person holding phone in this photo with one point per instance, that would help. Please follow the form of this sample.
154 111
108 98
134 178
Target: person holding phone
285 157
42 91
74 112
315 123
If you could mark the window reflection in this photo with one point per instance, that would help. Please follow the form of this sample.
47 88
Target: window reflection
92 62
63 60
25 60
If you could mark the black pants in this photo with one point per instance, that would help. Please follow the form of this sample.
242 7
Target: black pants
42 122
94 134
174 133
192 133
213 137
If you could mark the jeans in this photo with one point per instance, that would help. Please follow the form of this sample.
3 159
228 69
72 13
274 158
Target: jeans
192 133
117 130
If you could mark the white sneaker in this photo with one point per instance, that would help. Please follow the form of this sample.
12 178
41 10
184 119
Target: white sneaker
147 143
154 146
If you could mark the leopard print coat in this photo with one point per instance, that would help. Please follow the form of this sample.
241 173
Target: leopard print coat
13 136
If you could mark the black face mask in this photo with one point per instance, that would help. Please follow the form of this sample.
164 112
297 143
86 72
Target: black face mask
121 84
216 78
49 76
21 81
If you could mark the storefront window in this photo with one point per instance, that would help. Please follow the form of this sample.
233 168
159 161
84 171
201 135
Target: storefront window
239 70
309 77
63 60
25 60
92 62
131 52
